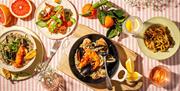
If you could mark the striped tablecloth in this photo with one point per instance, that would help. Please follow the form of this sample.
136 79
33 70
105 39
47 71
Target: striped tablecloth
172 12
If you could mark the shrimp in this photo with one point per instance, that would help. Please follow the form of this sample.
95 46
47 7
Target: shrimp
90 57
20 57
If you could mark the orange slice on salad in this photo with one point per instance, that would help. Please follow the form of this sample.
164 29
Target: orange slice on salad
30 55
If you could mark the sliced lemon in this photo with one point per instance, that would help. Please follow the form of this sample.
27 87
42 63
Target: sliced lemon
133 76
130 66
129 25
30 55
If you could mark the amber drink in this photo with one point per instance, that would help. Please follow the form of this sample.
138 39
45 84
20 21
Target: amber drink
160 76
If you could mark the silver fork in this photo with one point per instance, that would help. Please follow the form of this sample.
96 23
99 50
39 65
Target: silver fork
43 66
108 80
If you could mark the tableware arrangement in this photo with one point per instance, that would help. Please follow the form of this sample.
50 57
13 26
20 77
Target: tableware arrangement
92 58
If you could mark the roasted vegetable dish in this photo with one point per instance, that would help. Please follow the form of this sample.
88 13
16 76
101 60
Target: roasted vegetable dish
89 58
158 38
57 19
16 50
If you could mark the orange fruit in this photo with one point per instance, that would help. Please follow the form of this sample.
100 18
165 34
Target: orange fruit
5 15
109 22
87 8
30 55
57 1
21 8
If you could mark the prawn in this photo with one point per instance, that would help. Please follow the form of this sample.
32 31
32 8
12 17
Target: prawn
90 57
20 57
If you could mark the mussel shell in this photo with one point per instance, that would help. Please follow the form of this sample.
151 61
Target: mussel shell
110 58
80 52
100 48
85 71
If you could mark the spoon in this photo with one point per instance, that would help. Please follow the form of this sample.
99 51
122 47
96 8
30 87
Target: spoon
138 36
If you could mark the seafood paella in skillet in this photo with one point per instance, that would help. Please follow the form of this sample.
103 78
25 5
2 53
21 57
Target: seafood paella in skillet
86 58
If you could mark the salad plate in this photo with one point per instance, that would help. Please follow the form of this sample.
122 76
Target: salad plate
56 20
27 72
15 45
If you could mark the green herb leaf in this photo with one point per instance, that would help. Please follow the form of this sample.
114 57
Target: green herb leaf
112 32
41 23
52 27
58 20
121 20
118 28
99 3
57 8
101 16
110 13
109 4
73 20
118 13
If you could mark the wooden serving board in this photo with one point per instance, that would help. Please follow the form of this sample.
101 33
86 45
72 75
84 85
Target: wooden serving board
124 54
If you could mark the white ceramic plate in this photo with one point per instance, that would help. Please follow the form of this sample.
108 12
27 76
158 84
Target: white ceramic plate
19 30
174 31
66 4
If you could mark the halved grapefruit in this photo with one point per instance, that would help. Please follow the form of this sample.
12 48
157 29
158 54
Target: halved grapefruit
5 15
21 8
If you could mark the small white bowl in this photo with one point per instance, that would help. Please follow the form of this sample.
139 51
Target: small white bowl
19 30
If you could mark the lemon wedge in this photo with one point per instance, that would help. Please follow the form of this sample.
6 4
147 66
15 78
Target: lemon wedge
130 65
30 55
133 76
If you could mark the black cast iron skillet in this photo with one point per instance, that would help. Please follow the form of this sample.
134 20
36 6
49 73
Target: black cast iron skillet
112 67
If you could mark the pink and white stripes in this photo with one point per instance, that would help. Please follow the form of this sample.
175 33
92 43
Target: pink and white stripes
147 64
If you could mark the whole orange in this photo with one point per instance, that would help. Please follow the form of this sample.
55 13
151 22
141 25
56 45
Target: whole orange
88 8
109 22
